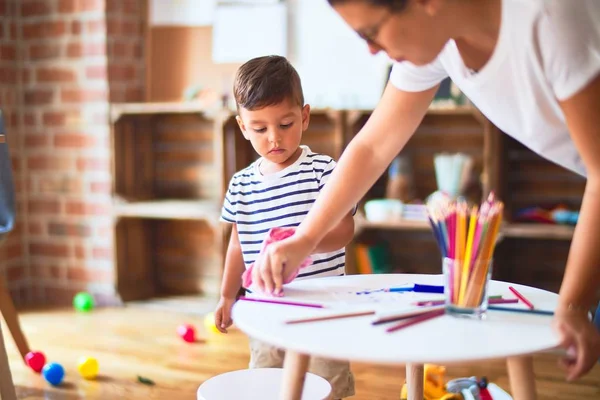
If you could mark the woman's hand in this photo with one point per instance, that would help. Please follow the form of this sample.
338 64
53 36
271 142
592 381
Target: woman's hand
279 261
580 338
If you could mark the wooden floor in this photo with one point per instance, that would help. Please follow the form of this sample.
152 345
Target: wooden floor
135 341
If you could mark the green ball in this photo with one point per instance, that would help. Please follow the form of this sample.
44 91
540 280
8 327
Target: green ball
83 301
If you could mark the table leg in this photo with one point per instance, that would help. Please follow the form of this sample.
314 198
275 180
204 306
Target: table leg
414 381
521 377
295 366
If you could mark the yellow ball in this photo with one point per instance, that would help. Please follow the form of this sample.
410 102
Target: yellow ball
209 323
88 367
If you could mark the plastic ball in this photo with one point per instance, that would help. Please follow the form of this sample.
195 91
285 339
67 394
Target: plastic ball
88 367
187 333
83 302
35 360
53 373
209 323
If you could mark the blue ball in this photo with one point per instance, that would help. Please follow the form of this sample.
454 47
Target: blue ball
53 373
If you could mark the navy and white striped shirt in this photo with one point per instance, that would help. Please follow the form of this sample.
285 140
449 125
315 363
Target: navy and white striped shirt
257 203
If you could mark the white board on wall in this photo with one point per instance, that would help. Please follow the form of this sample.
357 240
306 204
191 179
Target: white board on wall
335 65
182 12
244 31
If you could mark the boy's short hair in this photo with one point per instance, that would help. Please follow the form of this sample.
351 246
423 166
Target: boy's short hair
266 81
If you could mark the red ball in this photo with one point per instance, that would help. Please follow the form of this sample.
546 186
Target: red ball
36 360
187 333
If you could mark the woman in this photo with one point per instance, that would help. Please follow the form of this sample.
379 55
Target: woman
531 66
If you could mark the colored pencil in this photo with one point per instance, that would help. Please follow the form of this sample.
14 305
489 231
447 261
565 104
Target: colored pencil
415 320
282 302
405 315
467 259
490 301
330 317
521 310
521 297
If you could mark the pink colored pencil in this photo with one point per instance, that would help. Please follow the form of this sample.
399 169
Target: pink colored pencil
522 298
283 302
415 320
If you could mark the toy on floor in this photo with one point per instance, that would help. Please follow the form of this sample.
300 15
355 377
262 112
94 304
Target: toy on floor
88 367
35 360
83 302
434 387
187 333
209 323
145 381
53 373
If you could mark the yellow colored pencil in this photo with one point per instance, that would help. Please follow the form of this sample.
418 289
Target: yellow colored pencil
465 272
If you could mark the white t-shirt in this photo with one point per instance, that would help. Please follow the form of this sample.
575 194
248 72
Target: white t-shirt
257 203
547 50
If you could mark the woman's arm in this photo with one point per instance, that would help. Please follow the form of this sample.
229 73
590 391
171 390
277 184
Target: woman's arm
367 156
581 280
338 237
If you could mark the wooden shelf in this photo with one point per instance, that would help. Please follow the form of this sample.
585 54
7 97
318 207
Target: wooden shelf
538 231
119 109
510 230
203 210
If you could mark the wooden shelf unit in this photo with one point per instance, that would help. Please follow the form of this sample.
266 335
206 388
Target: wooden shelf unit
173 162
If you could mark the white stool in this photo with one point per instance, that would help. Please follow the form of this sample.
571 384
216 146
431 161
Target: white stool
259 384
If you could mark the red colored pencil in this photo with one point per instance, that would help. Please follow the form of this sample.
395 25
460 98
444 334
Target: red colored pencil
416 320
283 302
521 297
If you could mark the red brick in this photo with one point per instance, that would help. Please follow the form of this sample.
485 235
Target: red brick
15 273
89 275
74 6
75 140
122 49
102 253
26 76
76 27
92 164
134 94
48 271
44 30
54 118
83 95
96 72
54 75
57 184
59 296
44 51
8 52
132 7
37 96
8 75
85 208
29 119
64 229
11 252
80 252
35 140
49 249
80 49
36 228
43 207
31 8
121 72
101 187
46 162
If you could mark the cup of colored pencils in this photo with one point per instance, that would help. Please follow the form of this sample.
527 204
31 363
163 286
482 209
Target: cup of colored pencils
466 235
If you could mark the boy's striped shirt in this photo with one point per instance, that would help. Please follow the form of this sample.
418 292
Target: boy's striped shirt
257 203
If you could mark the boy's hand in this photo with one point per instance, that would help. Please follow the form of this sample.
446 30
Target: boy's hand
279 262
223 314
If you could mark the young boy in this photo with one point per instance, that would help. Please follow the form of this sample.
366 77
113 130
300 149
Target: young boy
278 190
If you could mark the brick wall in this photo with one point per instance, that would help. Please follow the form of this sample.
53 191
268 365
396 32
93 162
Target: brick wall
62 61
13 257
125 25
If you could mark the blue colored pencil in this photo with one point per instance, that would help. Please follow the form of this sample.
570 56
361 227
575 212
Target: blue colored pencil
520 310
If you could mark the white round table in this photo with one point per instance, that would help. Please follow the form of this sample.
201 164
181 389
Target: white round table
444 340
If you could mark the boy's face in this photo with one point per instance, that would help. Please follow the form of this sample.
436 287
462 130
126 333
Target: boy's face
275 131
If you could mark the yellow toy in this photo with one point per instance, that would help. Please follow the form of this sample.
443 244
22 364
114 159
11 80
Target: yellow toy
434 386
88 367
209 323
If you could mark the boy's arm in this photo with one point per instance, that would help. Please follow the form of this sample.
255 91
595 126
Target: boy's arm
338 237
234 267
